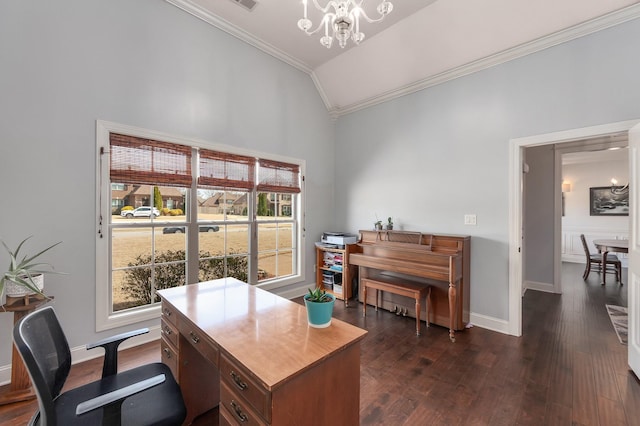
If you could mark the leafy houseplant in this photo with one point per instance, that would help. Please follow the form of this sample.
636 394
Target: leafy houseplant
389 223
24 275
318 295
319 305
378 225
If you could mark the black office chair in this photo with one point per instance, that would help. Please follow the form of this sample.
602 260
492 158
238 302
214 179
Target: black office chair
594 262
146 395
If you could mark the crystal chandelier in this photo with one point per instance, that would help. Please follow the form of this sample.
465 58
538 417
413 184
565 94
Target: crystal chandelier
341 20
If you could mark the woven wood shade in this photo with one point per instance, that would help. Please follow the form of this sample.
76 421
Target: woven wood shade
275 176
225 170
144 161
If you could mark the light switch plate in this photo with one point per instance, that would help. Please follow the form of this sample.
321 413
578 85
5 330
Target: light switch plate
469 219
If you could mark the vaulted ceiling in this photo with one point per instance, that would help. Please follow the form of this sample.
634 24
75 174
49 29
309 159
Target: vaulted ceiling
419 44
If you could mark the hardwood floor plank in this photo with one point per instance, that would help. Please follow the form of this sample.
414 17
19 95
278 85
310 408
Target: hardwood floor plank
610 412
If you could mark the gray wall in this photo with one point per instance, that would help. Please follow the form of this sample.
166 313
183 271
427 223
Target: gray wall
539 215
433 156
68 63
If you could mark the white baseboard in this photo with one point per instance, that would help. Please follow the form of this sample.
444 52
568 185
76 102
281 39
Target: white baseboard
80 353
293 292
489 323
534 285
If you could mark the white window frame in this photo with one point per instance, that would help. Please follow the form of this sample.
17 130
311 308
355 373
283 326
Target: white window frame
105 318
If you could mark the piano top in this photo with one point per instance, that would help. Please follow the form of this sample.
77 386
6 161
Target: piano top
413 241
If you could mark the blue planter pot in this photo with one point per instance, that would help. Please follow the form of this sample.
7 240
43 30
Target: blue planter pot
319 314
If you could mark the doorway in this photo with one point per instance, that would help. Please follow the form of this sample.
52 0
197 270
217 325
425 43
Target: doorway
517 167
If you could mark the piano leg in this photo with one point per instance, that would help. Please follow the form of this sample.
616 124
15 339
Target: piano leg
452 310
429 307
418 315
364 298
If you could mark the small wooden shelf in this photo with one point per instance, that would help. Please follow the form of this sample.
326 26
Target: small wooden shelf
346 274
20 388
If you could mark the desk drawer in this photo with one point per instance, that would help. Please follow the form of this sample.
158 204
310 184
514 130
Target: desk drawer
237 379
196 338
169 356
169 332
169 314
234 410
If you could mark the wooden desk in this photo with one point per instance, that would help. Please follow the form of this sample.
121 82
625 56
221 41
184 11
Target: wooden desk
252 352
606 246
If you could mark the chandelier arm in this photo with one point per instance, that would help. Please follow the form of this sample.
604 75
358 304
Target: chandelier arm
321 24
364 15
327 7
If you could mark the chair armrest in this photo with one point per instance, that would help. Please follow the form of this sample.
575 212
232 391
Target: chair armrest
118 395
110 345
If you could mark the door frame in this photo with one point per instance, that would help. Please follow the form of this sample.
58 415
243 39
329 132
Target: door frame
516 170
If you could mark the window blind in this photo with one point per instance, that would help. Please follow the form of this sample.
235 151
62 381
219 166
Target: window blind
275 176
226 170
145 161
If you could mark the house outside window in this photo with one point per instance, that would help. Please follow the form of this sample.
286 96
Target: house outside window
209 226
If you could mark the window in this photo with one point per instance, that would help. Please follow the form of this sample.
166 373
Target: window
173 212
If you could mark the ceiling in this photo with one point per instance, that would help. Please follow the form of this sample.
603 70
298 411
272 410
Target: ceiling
419 44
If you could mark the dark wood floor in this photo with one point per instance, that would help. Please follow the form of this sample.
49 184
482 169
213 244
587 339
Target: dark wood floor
568 368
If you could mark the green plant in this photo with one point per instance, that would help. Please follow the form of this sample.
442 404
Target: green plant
169 271
157 198
318 295
22 270
389 221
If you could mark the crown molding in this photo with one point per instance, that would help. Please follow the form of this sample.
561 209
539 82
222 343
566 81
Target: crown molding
597 24
197 11
588 27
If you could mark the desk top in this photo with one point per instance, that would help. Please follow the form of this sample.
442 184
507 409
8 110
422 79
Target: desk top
265 332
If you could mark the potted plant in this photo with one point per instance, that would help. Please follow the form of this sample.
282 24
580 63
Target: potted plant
378 225
319 306
24 276
389 224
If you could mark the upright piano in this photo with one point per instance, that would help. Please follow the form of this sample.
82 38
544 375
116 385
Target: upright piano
441 262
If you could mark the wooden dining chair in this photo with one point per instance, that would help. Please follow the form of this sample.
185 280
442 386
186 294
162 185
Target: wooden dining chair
594 262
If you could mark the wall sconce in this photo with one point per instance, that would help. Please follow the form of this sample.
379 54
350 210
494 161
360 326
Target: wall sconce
566 187
617 190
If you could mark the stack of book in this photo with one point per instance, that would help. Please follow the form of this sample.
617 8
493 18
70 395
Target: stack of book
333 261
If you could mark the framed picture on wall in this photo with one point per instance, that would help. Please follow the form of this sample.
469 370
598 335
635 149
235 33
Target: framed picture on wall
609 201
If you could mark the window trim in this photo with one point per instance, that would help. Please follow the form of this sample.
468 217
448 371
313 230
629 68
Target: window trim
106 320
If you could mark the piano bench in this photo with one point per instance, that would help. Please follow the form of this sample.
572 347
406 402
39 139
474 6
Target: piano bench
402 287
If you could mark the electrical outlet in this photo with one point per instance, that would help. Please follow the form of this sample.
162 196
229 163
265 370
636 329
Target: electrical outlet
470 219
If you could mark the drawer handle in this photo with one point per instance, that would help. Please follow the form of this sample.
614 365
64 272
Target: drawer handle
167 352
167 312
238 412
167 330
194 338
238 381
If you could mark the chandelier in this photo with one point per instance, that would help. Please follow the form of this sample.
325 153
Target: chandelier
618 190
341 20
